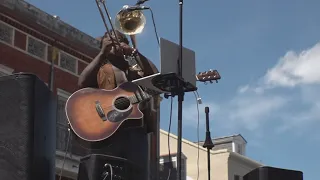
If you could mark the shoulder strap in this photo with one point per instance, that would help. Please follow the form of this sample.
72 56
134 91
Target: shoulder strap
120 76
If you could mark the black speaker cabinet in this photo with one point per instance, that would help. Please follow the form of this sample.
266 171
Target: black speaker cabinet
27 128
272 173
99 166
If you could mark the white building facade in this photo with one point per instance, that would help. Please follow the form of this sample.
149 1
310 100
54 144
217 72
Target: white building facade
228 160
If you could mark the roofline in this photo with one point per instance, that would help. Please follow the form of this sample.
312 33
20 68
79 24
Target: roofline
244 159
192 144
23 12
173 154
222 137
183 140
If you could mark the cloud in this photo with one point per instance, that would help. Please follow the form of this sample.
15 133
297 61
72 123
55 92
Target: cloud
248 112
297 75
252 111
286 97
296 69
292 70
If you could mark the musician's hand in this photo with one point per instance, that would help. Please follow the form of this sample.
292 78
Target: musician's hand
109 48
127 50
106 46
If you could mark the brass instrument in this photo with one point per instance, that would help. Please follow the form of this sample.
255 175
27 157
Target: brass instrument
127 21
130 22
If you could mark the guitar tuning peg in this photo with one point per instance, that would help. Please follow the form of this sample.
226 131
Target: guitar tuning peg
211 82
216 81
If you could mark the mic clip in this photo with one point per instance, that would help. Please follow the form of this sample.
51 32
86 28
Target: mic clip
167 95
139 2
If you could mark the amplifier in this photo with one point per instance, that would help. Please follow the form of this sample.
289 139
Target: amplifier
98 166
27 128
273 173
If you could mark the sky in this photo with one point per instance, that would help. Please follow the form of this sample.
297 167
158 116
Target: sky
268 54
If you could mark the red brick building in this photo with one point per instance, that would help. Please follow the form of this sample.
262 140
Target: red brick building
27 36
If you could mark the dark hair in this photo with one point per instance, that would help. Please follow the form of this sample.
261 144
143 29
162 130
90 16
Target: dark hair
121 37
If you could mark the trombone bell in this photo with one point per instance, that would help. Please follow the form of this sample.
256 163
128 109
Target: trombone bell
130 22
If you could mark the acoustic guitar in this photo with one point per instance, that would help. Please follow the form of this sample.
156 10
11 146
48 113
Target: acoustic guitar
96 114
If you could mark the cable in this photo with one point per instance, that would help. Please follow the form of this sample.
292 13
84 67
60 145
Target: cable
111 171
65 155
154 26
198 123
169 129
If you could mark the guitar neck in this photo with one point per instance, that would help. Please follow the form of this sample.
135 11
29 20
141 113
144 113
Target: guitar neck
145 94
142 95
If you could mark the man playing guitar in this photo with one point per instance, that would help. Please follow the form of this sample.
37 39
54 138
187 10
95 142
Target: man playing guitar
107 71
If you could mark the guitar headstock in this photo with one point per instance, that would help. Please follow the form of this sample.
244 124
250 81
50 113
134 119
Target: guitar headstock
211 75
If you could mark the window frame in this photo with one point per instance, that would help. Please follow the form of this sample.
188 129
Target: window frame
45 58
13 34
67 54
6 70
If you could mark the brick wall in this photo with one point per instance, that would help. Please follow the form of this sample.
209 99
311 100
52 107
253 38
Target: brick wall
24 52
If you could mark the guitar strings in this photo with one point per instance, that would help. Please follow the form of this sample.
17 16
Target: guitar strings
121 102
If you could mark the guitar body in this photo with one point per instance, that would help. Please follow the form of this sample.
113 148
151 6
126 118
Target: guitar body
95 114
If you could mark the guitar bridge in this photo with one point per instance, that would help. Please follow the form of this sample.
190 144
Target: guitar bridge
100 111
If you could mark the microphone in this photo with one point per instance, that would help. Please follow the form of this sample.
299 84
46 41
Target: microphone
139 2
134 8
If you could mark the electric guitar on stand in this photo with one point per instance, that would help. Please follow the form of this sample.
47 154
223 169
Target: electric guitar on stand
95 114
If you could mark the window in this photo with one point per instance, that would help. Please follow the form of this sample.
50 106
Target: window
165 166
36 48
237 177
6 33
68 62
62 124
239 149
183 168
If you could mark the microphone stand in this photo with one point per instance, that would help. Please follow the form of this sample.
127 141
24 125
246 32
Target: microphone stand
176 85
180 94
208 142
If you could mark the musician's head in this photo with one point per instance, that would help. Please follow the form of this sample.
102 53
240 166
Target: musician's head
121 37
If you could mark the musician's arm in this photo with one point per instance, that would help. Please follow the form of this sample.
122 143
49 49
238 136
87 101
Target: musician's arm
88 77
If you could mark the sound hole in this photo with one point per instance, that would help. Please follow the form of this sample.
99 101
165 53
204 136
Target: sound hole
122 103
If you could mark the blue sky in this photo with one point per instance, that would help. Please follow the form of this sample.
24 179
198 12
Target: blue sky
268 55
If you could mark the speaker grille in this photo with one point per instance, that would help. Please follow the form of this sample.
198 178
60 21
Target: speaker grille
25 117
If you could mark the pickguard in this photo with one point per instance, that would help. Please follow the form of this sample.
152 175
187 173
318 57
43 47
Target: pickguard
117 116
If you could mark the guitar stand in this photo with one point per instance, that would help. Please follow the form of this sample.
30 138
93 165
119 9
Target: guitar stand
175 85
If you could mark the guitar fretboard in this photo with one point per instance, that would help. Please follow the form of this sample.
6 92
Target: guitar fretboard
143 95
